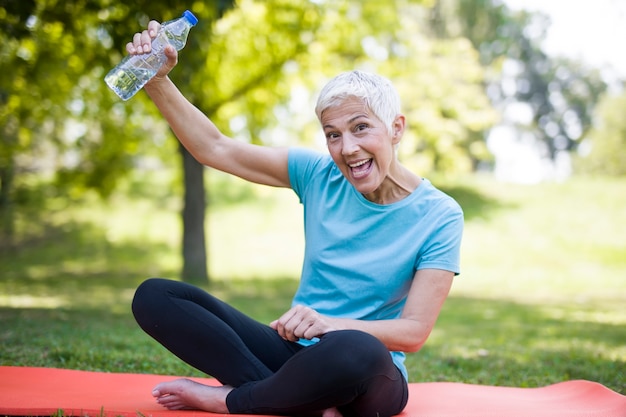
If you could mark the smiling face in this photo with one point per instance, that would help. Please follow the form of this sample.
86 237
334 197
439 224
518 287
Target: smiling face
363 149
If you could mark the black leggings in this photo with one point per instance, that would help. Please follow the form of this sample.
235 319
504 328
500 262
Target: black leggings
348 369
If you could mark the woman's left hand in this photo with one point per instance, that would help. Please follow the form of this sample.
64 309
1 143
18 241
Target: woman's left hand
301 322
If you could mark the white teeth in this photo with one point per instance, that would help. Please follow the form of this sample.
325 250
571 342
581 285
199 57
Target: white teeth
358 164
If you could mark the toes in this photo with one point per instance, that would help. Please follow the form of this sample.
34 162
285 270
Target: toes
171 402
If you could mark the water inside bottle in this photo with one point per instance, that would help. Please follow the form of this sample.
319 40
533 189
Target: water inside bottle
176 39
125 82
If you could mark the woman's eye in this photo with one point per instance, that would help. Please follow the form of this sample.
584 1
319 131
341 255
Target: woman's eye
360 127
332 136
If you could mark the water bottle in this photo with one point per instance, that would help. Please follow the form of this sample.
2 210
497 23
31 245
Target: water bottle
130 75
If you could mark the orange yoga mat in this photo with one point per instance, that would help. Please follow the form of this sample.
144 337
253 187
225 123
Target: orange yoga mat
26 391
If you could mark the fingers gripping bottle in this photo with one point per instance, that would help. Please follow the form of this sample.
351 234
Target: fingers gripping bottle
134 71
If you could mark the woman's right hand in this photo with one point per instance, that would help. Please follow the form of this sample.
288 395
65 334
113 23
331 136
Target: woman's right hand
142 44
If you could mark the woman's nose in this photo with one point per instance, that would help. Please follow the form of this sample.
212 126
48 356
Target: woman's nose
349 145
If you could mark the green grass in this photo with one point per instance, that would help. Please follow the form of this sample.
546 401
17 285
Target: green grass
540 299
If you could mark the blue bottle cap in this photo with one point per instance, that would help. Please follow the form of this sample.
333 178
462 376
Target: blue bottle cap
190 17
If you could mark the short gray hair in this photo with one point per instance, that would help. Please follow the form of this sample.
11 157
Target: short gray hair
377 92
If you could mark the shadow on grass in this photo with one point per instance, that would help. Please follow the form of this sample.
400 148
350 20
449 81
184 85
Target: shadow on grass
498 342
106 338
76 264
475 204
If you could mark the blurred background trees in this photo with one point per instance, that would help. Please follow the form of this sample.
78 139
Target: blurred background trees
463 69
604 150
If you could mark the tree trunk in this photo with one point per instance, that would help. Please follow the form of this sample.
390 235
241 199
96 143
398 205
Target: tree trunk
193 217
7 216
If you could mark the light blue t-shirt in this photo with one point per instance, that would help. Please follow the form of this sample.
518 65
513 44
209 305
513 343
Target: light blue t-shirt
360 257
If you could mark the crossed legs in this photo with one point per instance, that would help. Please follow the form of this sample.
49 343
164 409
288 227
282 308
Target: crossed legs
261 372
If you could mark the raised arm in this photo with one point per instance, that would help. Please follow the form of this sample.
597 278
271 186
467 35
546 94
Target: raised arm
263 165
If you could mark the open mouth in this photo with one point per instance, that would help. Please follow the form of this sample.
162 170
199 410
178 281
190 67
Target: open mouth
362 168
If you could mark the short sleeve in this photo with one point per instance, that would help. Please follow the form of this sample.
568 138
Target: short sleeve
442 249
302 165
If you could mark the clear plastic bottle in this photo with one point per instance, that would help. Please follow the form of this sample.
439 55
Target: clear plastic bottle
134 71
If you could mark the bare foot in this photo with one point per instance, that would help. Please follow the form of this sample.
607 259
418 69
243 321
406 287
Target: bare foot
186 394
331 412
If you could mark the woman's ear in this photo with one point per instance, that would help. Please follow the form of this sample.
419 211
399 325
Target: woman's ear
398 126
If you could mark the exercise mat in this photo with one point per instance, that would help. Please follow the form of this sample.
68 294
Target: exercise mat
31 391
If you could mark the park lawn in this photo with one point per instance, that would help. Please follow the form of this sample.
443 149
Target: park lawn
539 300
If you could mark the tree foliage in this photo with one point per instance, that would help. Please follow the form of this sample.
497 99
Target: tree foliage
607 139
559 93
254 68
447 109
58 120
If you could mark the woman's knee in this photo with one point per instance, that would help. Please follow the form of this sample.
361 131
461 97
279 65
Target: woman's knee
362 352
147 290
147 300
